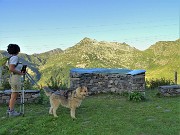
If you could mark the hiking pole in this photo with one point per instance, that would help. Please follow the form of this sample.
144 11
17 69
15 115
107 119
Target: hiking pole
31 79
22 97
23 91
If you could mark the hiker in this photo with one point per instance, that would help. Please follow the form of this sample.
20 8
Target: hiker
15 77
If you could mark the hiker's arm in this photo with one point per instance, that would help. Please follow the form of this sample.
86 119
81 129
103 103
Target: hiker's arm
13 70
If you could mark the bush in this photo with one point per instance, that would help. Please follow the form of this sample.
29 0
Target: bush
6 85
155 83
56 83
136 96
125 93
27 85
42 99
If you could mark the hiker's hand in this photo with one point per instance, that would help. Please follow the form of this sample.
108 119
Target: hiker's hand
21 73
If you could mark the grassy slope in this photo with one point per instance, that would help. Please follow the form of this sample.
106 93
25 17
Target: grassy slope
91 54
99 115
160 60
165 60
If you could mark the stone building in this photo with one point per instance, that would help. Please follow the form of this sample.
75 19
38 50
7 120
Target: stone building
108 80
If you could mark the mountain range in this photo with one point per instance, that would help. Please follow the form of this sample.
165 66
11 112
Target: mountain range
160 60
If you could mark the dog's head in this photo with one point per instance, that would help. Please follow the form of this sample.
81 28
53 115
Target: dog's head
82 91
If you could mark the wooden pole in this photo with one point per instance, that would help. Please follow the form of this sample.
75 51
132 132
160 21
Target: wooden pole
175 77
1 76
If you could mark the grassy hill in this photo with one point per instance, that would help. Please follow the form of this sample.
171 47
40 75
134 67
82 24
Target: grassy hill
90 53
159 60
165 58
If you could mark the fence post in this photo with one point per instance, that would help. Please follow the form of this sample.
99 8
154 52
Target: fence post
175 77
0 76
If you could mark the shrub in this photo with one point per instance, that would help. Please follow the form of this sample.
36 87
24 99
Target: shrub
155 83
27 85
136 96
6 85
42 99
125 93
56 83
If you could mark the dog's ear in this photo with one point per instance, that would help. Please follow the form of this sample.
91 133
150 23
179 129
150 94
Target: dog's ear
83 88
80 88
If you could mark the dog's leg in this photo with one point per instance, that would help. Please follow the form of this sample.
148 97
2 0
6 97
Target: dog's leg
51 108
55 107
73 113
54 111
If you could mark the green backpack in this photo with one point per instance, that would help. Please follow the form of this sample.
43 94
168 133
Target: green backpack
3 61
3 65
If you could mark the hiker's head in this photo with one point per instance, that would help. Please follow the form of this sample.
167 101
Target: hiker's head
13 49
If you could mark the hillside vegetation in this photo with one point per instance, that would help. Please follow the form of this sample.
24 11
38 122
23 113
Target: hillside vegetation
159 60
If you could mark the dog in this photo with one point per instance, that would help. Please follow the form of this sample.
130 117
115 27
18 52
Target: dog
70 99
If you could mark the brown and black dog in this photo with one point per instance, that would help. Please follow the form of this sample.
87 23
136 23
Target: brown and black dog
70 100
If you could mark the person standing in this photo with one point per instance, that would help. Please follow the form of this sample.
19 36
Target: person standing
15 77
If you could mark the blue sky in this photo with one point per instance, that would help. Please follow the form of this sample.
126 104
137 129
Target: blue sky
42 25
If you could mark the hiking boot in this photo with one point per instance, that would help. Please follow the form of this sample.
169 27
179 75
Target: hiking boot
12 113
7 112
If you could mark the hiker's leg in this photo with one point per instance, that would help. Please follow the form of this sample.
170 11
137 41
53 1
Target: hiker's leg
15 82
12 101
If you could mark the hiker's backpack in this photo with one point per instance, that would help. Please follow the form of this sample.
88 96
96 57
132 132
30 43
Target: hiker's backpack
3 65
3 61
4 72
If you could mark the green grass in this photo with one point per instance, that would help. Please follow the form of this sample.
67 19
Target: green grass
104 114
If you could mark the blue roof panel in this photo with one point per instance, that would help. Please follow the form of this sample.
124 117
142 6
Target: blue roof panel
100 70
136 72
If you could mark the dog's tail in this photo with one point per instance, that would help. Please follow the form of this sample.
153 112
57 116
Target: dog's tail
48 91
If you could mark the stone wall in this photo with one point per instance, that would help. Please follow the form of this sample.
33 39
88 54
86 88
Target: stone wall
169 90
29 97
108 82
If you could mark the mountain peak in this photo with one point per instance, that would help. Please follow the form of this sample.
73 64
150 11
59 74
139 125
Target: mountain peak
165 48
54 51
88 40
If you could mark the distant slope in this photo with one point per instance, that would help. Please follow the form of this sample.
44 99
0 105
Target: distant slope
165 56
90 53
159 60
